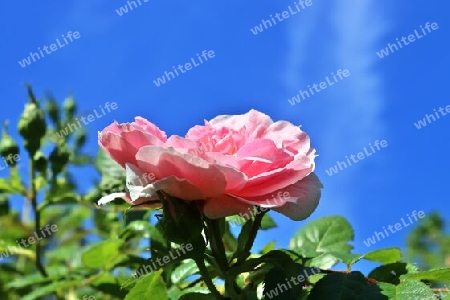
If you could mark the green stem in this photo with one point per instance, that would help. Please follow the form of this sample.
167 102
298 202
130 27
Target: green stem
219 253
217 244
37 218
207 279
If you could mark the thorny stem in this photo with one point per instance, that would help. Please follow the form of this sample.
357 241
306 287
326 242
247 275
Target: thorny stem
219 253
207 279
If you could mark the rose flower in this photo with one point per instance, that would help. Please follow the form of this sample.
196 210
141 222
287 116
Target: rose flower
230 164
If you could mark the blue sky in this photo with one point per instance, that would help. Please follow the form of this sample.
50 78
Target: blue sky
117 58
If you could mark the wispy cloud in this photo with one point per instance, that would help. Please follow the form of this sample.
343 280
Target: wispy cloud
340 34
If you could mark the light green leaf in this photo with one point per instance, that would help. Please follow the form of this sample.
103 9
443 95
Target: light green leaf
107 166
267 222
322 236
7 187
149 286
438 275
176 293
186 269
384 256
269 247
38 293
408 290
101 254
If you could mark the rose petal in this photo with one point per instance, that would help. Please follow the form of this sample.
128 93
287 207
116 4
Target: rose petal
110 197
304 198
223 206
262 156
122 141
254 121
169 162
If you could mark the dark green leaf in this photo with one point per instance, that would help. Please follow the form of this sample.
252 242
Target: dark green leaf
391 272
197 296
341 286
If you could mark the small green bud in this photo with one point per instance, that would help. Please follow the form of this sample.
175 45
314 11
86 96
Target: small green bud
4 206
80 139
32 126
70 107
59 158
8 147
40 162
53 110
112 217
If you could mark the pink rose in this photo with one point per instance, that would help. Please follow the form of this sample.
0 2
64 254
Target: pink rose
230 164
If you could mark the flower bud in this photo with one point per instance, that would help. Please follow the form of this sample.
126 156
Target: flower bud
8 147
80 140
182 221
70 107
53 111
4 206
59 158
32 126
40 162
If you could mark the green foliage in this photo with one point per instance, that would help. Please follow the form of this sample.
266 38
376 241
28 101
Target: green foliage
429 243
122 252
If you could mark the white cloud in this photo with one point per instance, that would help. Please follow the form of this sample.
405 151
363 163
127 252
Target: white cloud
340 34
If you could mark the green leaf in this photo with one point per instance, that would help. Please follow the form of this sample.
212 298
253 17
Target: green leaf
341 286
347 258
322 236
28 280
269 247
16 182
280 277
384 256
236 220
101 254
40 183
149 286
438 275
7 187
176 293
267 222
112 289
143 229
107 166
242 240
408 290
197 296
40 292
186 269
391 272
66 198
229 240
